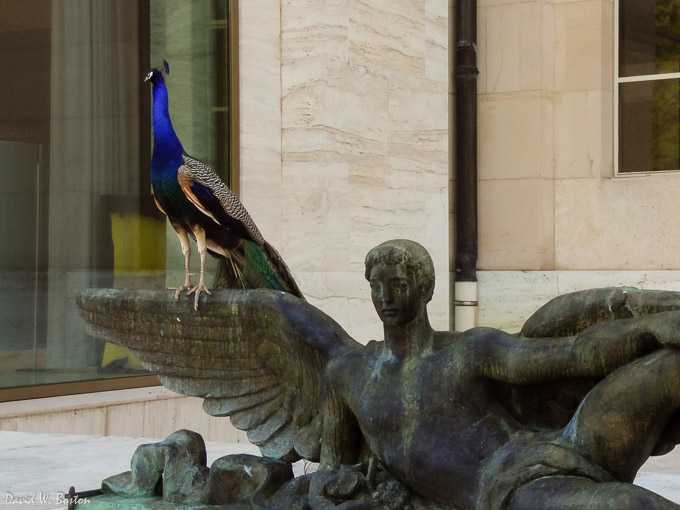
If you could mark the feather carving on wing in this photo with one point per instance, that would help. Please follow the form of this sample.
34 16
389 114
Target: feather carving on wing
256 356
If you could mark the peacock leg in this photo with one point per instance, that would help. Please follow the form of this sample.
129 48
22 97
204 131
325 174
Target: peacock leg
237 272
202 249
186 251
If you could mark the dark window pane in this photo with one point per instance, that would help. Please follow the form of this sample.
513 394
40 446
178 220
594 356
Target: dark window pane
649 126
75 146
649 37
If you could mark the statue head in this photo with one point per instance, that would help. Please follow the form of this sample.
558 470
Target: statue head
401 274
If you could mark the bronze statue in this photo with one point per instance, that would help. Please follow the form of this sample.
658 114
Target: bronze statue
560 416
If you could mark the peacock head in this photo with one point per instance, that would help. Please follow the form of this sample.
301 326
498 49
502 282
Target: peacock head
156 75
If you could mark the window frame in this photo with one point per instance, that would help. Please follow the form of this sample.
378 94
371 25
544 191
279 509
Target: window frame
618 80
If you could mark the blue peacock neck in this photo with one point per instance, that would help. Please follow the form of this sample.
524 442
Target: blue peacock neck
166 145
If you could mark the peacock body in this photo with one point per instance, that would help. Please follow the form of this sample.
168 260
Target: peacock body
200 206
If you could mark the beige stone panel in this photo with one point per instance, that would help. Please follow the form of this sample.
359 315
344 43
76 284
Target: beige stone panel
579 40
402 204
419 159
221 430
161 418
547 43
338 115
531 46
572 281
343 97
311 29
191 416
502 48
419 167
328 145
395 212
486 3
371 210
516 225
388 35
126 420
482 50
417 103
77 421
547 136
510 135
607 134
607 57
9 424
316 215
437 41
260 114
580 127
309 72
346 298
515 46
617 224
508 298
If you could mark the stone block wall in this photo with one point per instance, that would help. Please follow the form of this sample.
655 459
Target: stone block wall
344 140
551 209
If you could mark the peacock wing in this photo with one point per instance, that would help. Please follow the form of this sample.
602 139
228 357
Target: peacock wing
256 356
212 197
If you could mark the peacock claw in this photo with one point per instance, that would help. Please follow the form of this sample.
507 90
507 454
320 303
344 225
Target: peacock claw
197 293
178 290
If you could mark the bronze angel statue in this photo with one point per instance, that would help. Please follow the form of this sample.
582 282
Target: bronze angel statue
558 416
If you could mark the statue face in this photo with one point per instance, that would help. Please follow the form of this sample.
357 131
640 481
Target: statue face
396 295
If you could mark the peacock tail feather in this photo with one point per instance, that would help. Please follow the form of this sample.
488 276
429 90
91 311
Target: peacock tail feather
258 267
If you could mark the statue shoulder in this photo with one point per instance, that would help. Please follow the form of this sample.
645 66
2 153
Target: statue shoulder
352 362
470 344
445 339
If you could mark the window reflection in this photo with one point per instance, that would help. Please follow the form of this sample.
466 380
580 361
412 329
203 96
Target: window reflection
75 145
649 125
649 37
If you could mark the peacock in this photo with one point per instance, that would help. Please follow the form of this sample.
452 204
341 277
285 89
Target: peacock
200 206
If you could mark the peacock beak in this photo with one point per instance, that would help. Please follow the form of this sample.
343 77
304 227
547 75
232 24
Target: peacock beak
148 76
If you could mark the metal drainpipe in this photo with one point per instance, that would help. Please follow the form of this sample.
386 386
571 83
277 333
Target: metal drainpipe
465 78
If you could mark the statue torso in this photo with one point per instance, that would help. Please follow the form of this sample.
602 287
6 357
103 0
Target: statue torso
430 420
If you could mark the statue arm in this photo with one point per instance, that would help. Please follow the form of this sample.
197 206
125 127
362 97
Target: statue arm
340 447
341 437
594 352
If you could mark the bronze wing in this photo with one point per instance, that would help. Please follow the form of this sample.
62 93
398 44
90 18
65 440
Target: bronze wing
256 356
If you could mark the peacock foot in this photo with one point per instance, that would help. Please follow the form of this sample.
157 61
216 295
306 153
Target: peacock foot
201 287
178 290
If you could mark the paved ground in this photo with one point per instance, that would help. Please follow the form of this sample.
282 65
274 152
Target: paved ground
37 469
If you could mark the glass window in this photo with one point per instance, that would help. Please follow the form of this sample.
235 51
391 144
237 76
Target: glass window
647 91
76 209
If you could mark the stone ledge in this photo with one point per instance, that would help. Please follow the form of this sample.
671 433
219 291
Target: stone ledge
83 401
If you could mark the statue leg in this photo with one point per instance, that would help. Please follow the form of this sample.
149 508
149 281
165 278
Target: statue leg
568 492
620 421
